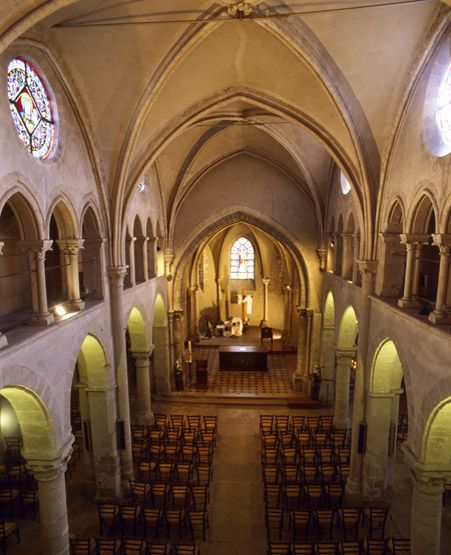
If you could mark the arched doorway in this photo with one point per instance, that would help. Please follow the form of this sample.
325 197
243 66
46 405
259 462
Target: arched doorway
382 409
98 413
345 357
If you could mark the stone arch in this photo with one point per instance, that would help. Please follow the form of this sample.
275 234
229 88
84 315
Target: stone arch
396 217
137 331
35 421
26 213
424 209
91 256
91 363
436 441
64 213
386 371
161 356
348 330
327 347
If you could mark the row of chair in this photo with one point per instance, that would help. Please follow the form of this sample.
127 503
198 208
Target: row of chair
295 496
305 455
369 521
285 422
306 474
392 546
174 452
185 421
332 438
129 546
163 495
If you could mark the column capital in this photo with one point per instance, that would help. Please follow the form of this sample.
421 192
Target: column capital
46 470
141 357
37 246
266 281
390 237
116 275
322 255
132 239
70 246
344 354
425 473
441 239
368 267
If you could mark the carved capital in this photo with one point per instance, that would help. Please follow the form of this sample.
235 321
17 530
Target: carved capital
414 238
442 240
116 275
70 246
266 281
47 470
240 10
141 358
37 248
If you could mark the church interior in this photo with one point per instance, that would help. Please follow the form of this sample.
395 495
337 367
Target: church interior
225 291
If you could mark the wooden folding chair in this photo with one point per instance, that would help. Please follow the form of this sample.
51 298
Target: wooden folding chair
326 422
165 472
323 520
289 455
133 546
279 548
175 520
82 546
160 421
350 548
270 455
292 496
333 494
327 473
188 452
147 471
303 439
108 546
274 521
329 548
313 494
302 548
186 549
299 522
7 529
152 519
158 548
307 455
399 546
270 439
179 495
171 452
176 421
348 520
198 523
375 518
325 455
204 453
199 497
193 422
374 547
190 435
210 423
272 495
140 492
208 437
108 517
266 423
130 516
183 473
290 474
160 495
312 423
309 473
286 439
297 423
282 421
204 473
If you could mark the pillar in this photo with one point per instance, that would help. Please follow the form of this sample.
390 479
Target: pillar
300 376
49 475
116 276
412 242
145 258
328 362
368 269
375 477
70 249
177 335
131 257
36 256
103 436
348 255
287 312
342 381
219 299
3 340
265 281
194 327
440 314
355 266
390 265
425 528
144 413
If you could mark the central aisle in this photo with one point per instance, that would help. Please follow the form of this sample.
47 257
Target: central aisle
236 503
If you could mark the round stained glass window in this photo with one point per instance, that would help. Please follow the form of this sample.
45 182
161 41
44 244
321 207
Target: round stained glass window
444 108
30 108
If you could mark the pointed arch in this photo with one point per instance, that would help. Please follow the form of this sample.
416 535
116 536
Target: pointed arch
386 370
348 330
137 331
91 362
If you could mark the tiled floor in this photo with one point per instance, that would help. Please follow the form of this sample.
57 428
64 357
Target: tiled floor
276 382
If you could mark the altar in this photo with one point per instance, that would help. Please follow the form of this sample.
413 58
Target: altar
243 357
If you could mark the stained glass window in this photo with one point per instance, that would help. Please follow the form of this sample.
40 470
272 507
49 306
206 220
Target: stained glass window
444 107
242 259
30 108
345 185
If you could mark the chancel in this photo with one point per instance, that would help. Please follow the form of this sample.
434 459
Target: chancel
225 293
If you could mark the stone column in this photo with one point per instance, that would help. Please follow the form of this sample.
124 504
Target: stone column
131 257
177 335
144 413
116 276
368 269
375 461
348 255
103 434
36 256
355 265
218 299
440 314
416 274
265 281
287 313
388 244
70 249
194 331
145 258
425 528
300 376
342 381
412 242
328 362
49 475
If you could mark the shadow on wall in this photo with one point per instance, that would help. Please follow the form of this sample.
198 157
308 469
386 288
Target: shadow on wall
207 317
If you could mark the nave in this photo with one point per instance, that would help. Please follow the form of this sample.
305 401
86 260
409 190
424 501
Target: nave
238 505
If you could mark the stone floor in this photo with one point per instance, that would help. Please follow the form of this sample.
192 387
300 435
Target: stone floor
236 509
